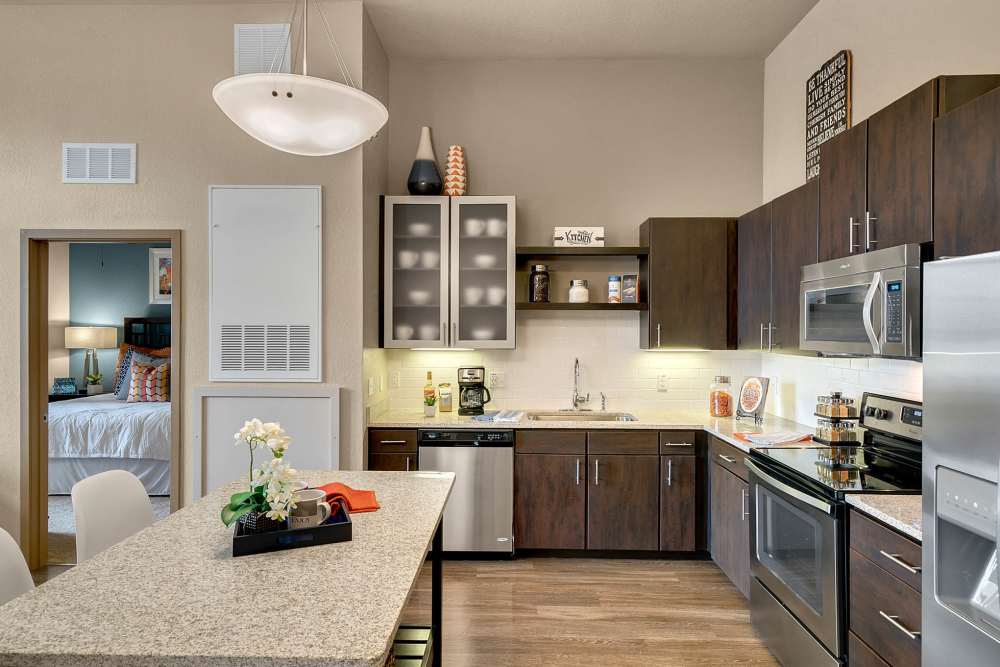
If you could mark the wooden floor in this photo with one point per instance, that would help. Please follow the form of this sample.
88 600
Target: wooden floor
573 611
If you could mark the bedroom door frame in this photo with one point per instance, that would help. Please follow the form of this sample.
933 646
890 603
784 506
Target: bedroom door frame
35 377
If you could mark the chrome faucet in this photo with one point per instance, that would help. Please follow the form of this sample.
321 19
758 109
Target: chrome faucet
604 402
578 399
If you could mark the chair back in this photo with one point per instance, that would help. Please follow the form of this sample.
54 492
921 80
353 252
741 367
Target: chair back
15 578
108 507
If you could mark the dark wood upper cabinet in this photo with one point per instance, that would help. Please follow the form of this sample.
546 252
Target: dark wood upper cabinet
842 189
688 280
678 503
794 229
550 501
901 171
623 502
754 278
967 178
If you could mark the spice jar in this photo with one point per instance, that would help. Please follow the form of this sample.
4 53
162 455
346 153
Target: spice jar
444 397
579 291
538 284
720 397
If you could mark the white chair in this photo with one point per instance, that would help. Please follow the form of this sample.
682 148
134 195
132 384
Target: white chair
108 507
15 578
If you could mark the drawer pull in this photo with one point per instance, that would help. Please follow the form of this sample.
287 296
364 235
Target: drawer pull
912 569
912 634
677 444
392 442
727 459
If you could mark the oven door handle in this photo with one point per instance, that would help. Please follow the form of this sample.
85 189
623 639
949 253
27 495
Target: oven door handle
866 312
787 490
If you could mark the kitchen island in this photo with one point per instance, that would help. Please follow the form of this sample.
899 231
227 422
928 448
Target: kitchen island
174 595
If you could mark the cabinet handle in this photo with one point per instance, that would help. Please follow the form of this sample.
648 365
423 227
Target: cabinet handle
745 500
657 334
894 622
761 336
727 459
444 333
912 569
851 245
392 442
454 333
407 464
578 472
597 472
670 472
676 444
869 221
770 330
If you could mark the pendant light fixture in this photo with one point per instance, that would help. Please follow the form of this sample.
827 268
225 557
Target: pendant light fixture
298 113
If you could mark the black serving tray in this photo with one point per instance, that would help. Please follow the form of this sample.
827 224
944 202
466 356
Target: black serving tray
336 529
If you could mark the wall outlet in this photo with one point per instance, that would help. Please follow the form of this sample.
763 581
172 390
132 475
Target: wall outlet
371 386
662 383
495 379
394 380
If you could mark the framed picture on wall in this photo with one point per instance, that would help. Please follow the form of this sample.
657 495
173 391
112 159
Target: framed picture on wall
161 276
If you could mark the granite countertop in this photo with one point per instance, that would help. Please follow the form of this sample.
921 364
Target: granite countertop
173 594
723 428
904 513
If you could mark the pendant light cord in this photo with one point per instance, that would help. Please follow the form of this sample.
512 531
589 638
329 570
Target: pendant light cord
277 63
344 71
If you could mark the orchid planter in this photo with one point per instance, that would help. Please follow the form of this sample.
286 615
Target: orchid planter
255 523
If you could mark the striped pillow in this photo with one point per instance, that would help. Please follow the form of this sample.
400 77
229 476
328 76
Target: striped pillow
149 383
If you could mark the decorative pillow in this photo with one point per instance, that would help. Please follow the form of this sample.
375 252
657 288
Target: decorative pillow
123 349
149 383
124 377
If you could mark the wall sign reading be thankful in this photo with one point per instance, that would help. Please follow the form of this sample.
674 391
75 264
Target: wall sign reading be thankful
828 106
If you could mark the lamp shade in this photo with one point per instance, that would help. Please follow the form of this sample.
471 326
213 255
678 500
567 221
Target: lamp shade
299 114
91 337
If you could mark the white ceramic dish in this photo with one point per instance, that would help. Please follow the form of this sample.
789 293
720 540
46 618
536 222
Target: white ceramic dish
420 228
420 297
474 226
496 227
430 259
473 295
484 261
496 296
404 332
407 259
429 332
483 333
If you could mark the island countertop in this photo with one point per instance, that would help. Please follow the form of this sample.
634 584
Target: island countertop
174 595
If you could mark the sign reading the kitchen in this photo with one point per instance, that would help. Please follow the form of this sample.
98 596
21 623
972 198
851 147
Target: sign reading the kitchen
828 106
578 236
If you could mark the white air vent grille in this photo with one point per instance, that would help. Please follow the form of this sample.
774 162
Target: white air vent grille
261 47
259 347
98 163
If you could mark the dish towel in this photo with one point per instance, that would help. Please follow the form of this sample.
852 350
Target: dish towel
773 438
355 500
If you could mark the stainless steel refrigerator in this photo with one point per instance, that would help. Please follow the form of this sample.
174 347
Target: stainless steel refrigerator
961 464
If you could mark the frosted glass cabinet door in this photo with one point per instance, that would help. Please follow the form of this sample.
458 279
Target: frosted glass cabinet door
482 272
416 263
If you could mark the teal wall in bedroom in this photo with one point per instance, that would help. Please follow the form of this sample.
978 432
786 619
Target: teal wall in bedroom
107 283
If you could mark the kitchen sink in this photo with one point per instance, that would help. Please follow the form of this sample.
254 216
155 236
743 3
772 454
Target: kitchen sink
581 416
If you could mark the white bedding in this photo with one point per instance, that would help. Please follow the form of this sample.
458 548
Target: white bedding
103 427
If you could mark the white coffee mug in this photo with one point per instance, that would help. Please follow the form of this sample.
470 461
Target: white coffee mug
311 508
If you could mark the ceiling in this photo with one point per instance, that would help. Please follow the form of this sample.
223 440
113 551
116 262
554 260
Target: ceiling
498 29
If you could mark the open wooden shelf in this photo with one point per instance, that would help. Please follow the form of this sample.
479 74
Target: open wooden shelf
607 251
524 305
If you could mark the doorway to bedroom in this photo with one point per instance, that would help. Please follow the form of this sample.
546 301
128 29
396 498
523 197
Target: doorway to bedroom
101 346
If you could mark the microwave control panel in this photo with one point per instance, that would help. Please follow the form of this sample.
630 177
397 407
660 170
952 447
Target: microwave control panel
894 311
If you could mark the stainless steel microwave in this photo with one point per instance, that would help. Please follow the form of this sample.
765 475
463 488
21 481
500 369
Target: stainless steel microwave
866 304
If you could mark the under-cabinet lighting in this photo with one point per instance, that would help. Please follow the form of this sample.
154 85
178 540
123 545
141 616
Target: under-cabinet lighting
442 349
679 349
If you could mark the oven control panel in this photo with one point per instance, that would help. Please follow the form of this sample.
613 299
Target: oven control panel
896 416
894 311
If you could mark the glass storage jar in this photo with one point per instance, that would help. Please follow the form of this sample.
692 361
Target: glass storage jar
538 284
579 291
720 397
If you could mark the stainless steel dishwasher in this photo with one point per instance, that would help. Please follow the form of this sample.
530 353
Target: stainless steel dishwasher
479 516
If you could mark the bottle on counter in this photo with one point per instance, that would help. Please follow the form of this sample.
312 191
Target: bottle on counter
538 284
720 397
429 391
444 397
579 291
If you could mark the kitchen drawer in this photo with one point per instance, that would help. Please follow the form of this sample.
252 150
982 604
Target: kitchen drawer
392 462
548 441
884 612
859 654
392 441
674 443
886 548
610 443
728 457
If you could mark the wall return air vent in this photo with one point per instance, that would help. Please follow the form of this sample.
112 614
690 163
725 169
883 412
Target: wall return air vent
98 163
261 47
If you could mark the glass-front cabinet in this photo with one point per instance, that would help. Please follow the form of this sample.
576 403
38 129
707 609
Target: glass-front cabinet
449 272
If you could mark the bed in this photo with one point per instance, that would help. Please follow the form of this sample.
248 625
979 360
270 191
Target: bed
93 434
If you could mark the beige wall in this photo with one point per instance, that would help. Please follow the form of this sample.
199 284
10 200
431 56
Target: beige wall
897 45
145 73
584 142
58 310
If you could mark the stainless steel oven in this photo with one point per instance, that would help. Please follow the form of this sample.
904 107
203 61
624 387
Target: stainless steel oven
796 547
866 304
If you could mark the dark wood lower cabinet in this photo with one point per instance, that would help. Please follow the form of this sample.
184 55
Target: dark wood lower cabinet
392 461
884 612
860 654
623 502
550 501
678 498
730 528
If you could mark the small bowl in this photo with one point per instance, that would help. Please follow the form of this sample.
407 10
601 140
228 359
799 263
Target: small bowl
483 333
420 297
484 261
473 295
429 332
474 226
420 228
404 332
407 259
496 227
496 296
430 259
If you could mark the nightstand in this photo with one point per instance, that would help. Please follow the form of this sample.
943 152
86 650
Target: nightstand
55 398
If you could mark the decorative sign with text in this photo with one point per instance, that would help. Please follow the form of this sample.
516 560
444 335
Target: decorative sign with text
828 106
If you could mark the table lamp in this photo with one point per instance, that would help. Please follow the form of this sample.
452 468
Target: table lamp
91 339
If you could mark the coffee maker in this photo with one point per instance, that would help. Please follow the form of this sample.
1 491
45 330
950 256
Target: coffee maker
472 391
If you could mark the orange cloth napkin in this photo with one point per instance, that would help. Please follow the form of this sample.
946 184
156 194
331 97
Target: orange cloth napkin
742 436
355 500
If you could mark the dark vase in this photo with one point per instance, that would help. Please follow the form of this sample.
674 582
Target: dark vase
425 179
257 522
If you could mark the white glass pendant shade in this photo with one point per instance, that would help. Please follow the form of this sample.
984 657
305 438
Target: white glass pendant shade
307 116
